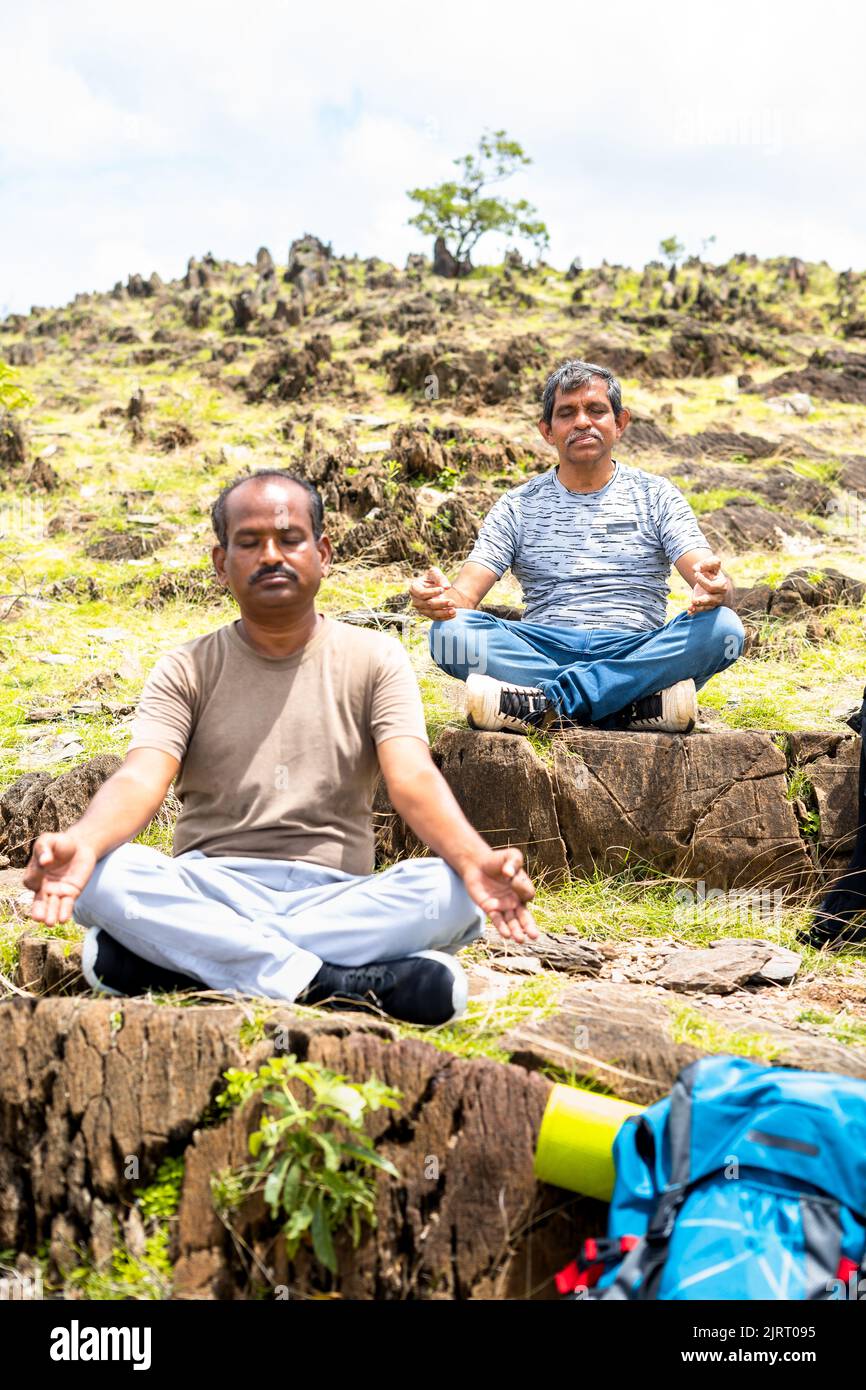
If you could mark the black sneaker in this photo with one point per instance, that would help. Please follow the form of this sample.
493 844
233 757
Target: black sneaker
428 987
110 968
670 711
500 707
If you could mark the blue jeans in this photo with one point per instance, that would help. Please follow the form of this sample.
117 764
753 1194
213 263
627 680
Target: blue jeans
588 673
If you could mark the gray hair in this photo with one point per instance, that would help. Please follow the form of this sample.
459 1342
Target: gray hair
573 374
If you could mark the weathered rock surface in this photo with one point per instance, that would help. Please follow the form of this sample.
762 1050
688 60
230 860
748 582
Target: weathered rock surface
504 789
742 524
89 1085
706 806
726 966
832 764
620 1036
37 803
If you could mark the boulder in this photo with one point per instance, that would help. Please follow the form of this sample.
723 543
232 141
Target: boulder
418 453
852 474
445 264
37 803
727 965
709 806
308 262
13 440
800 591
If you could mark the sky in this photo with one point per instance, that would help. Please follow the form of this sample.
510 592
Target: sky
135 136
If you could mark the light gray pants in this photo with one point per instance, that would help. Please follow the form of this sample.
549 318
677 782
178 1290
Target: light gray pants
264 926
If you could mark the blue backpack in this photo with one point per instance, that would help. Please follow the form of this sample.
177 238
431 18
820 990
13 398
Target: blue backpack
746 1182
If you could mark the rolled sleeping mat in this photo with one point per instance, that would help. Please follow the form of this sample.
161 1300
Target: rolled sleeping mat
575 1141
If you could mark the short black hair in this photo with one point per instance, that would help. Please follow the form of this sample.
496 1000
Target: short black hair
219 515
576 373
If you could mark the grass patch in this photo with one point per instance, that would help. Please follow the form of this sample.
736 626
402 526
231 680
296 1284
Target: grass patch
690 1026
842 1027
479 1032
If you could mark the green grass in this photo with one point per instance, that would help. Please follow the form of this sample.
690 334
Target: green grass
689 1025
479 1032
842 1027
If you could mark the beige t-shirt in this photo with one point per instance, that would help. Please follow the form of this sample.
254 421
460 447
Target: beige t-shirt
278 754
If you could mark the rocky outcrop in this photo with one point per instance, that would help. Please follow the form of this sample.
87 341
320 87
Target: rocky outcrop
799 593
742 524
628 1039
711 807
95 1090
503 788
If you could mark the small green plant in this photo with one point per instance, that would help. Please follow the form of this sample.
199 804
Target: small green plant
392 475
313 1160
673 251
799 784
446 478
254 1028
127 1276
160 1200
144 1277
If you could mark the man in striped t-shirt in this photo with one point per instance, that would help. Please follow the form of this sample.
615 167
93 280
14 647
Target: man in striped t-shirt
592 543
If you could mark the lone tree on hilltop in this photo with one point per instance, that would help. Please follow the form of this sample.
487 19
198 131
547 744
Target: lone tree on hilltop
673 251
462 212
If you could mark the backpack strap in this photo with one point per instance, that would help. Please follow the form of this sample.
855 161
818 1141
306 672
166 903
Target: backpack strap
660 1229
822 1244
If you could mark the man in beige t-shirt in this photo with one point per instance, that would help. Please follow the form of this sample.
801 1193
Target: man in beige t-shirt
274 728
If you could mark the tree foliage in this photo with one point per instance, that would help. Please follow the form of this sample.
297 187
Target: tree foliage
462 211
12 394
673 250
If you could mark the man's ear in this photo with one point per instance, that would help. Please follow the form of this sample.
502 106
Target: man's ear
326 554
218 555
545 431
622 422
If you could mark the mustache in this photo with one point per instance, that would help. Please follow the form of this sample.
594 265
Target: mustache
582 434
283 570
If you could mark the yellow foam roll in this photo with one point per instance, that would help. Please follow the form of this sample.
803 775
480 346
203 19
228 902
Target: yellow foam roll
575 1142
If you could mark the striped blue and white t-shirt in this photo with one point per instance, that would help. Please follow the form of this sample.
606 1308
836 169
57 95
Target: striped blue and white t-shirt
591 559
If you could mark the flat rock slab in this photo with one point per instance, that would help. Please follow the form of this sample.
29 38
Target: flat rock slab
570 954
621 1037
726 966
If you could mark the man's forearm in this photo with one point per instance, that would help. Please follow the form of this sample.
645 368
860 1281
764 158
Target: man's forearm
459 599
429 807
121 808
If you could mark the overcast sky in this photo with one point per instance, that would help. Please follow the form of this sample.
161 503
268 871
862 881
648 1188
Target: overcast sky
132 137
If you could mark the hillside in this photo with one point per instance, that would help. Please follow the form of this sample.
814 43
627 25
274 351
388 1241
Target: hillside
412 403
